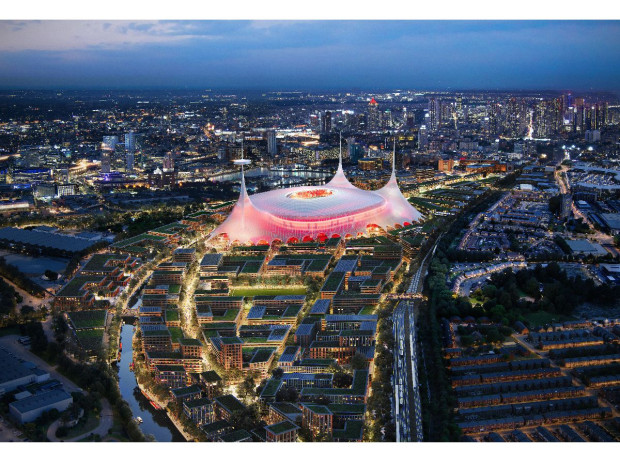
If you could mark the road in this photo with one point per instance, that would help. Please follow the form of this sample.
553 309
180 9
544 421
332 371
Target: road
105 423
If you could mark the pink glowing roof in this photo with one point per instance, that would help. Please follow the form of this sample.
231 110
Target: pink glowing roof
300 212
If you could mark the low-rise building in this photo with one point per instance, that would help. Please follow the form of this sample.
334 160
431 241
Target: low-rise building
284 431
200 410
30 408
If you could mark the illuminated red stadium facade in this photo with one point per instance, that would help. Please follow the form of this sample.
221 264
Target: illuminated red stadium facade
337 209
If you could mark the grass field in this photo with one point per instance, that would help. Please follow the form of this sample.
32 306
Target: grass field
90 339
545 318
367 310
88 319
252 291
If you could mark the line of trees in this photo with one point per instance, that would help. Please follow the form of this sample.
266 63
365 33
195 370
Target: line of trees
8 301
383 428
12 273
437 399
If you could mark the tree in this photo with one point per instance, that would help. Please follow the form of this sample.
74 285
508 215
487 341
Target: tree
555 204
532 288
26 310
342 379
359 362
51 275
287 394
248 386
247 419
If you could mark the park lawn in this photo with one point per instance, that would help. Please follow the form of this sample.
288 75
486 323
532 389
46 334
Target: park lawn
367 310
90 424
252 291
473 302
90 339
545 318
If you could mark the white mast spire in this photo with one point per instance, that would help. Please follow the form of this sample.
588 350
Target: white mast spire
394 160
340 155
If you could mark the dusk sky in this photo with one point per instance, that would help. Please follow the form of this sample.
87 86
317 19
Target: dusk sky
311 54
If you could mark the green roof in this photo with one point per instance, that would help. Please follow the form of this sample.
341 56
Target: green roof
229 315
285 407
317 408
230 403
97 262
271 387
172 288
155 332
262 355
210 376
176 333
282 427
333 282
236 436
200 402
88 319
72 288
182 391
171 228
167 272
215 426
90 339
352 430
357 409
137 239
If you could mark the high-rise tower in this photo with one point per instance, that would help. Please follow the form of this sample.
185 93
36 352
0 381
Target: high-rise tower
374 117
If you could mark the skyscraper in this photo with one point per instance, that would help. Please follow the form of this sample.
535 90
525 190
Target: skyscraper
422 138
272 145
168 162
374 117
129 162
326 122
354 150
130 142
105 162
130 151
434 112
109 142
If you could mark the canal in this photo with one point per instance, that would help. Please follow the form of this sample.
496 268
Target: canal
155 422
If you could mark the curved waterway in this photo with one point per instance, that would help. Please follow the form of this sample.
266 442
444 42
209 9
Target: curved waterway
274 173
155 422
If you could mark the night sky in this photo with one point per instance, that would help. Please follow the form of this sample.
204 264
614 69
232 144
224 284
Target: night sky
576 55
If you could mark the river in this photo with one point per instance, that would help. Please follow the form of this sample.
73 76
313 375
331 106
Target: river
155 422
274 173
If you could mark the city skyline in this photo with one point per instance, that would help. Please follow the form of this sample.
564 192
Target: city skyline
291 55
310 231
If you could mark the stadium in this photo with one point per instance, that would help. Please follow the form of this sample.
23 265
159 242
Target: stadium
295 214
